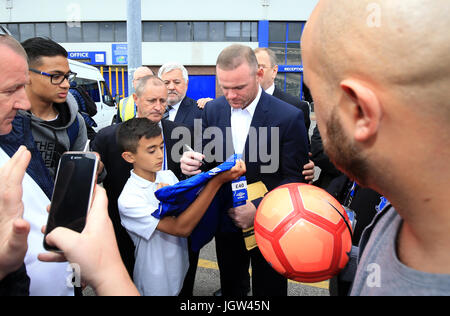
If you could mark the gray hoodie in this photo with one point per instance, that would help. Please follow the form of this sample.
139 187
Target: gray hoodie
52 138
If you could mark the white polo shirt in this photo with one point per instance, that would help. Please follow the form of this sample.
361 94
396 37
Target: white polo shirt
161 259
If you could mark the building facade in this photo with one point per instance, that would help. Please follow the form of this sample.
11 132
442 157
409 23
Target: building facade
192 33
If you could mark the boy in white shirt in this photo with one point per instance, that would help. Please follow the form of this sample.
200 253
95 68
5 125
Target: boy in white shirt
161 247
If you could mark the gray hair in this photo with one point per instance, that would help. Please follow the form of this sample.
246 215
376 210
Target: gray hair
141 83
168 67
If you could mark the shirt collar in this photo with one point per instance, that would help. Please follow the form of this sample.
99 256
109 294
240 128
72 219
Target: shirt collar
271 89
251 108
141 182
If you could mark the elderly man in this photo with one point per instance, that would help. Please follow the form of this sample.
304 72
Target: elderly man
380 86
127 106
181 108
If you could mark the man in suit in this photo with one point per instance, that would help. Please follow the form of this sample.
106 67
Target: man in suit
247 117
127 107
267 60
181 108
151 101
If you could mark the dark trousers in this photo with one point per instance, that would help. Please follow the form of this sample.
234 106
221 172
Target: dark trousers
233 260
189 280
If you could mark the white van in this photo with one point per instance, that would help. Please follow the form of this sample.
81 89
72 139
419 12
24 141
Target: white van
91 79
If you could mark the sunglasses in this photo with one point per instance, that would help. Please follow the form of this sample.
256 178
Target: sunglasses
4 31
56 79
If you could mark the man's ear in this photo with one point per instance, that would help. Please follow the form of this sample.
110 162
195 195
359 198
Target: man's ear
367 112
275 71
128 157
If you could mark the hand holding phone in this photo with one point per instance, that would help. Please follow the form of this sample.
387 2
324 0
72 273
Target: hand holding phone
73 191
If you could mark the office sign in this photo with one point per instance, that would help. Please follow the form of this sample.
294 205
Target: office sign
90 58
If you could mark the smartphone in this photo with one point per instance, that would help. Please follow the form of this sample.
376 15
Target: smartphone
72 195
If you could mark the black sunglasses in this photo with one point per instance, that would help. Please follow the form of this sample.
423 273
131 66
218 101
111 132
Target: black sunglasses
4 31
56 79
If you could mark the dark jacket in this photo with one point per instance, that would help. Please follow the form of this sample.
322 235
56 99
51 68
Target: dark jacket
188 112
292 139
16 283
302 105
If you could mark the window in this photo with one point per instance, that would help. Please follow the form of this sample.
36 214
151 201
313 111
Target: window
277 32
106 32
233 31
167 31
90 31
43 29
200 31
120 31
74 33
216 31
184 31
27 31
150 31
58 32
284 40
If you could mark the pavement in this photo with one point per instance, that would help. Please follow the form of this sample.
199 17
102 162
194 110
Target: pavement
207 279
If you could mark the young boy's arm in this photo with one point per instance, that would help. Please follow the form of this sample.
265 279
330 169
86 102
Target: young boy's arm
185 223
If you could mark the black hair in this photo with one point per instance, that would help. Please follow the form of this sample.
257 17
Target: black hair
130 133
38 47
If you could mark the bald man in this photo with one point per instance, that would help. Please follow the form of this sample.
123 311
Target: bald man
127 107
379 74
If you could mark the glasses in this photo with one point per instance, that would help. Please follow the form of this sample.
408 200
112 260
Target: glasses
4 31
57 79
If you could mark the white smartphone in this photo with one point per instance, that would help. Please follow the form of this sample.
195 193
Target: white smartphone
72 195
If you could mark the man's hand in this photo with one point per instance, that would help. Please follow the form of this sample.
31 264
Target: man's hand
13 229
243 216
94 250
191 163
308 172
202 102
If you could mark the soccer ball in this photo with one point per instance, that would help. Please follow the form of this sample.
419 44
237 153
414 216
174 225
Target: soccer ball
303 232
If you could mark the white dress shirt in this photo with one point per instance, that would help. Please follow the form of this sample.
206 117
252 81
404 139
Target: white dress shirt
241 120
271 89
173 112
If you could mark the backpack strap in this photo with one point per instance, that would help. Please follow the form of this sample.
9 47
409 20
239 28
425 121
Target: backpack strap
72 132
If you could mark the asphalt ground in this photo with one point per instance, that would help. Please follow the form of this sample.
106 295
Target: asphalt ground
207 279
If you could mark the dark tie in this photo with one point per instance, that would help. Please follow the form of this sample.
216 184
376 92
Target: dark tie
166 114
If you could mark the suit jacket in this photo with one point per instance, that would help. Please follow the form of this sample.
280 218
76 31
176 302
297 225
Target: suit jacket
302 105
288 148
188 112
118 172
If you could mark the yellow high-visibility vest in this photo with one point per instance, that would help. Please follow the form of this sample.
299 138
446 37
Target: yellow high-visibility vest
128 111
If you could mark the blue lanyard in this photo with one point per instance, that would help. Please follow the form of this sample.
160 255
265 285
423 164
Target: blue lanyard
351 194
165 157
